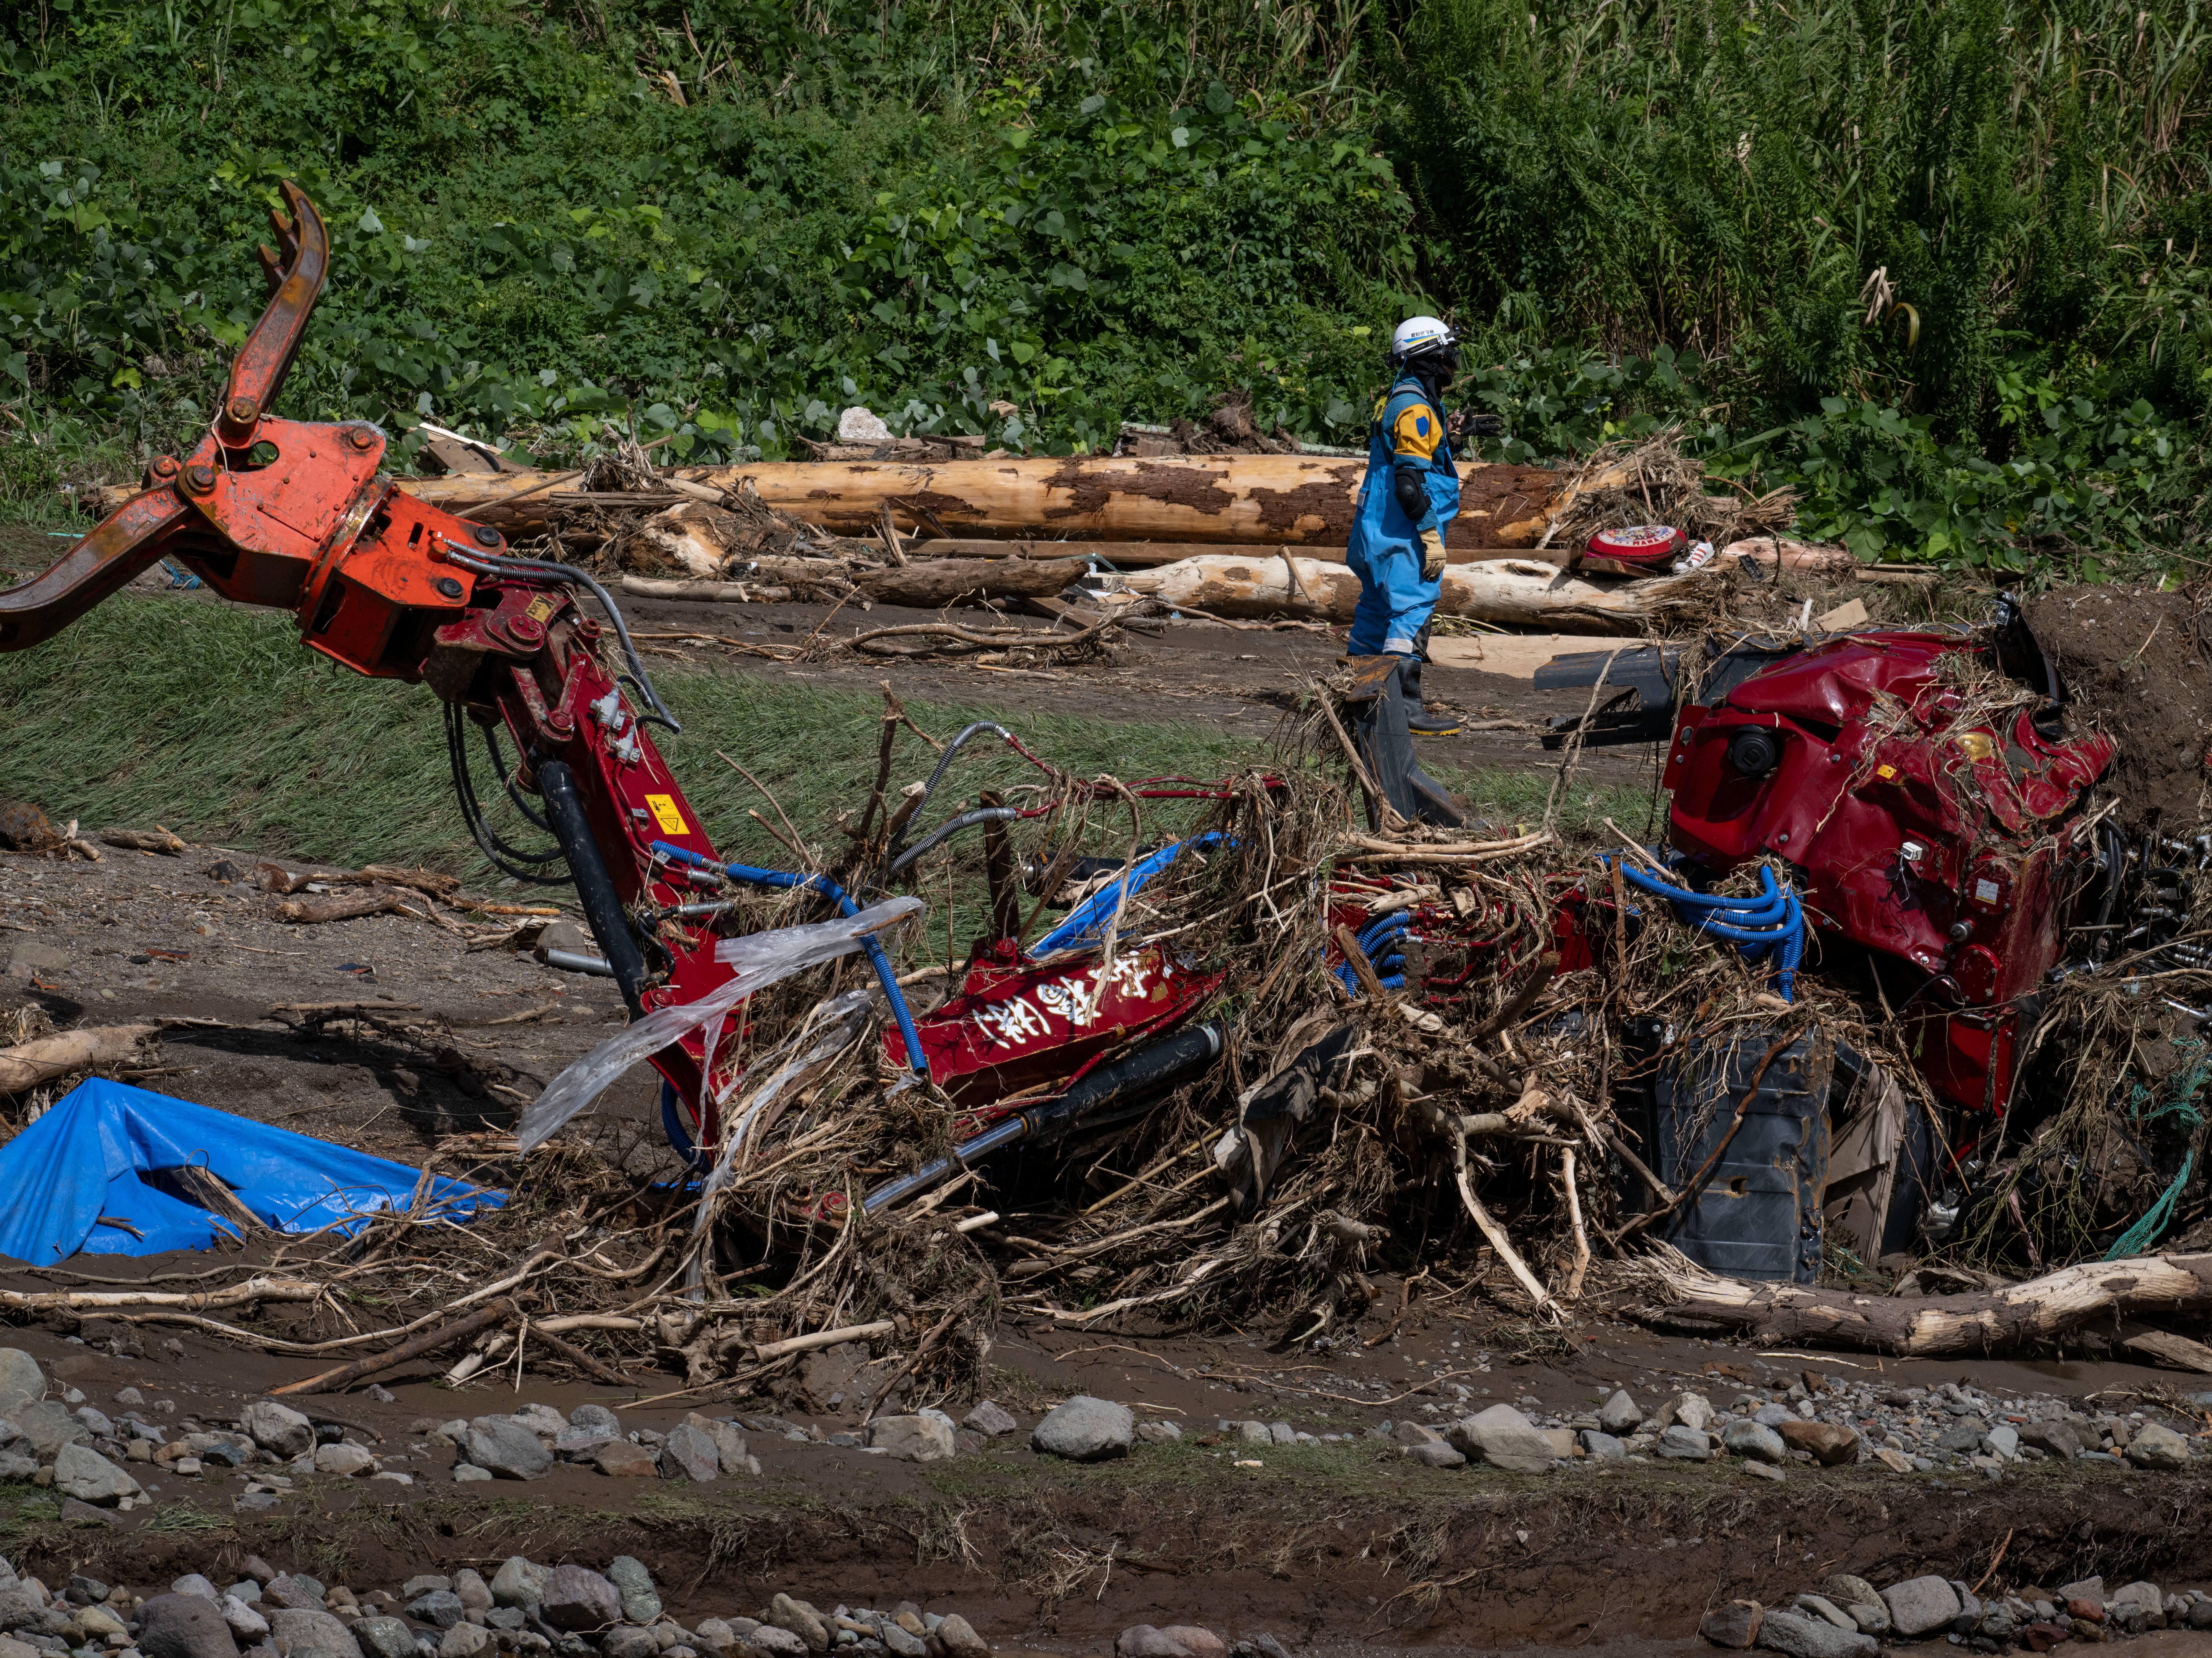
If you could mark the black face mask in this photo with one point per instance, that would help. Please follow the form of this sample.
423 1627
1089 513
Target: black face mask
1438 367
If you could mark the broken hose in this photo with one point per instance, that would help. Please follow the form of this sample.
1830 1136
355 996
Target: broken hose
1147 1068
820 884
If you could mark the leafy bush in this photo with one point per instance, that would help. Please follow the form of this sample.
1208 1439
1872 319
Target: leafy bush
1943 267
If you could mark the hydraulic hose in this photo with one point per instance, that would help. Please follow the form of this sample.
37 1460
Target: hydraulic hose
1148 1067
1769 924
946 831
595 888
916 1060
492 564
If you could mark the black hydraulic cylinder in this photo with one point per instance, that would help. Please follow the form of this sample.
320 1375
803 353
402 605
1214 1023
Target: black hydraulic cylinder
595 888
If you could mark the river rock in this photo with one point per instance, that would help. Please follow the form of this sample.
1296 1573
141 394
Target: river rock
1436 1455
440 1608
1919 1605
1085 1430
772 1641
911 1438
1733 1624
620 1459
688 1453
1603 1447
21 1382
2157 1447
991 1419
2053 1438
1685 1444
1690 1410
518 1582
1202 1642
344 1459
1798 1637
48 1426
800 1619
1827 1610
596 1418
466 1641
505 1449
277 1428
577 1597
1144 1641
640 1596
729 1440
955 1637
175 1625
385 1637
1503 1438
84 1474
245 1620
1830 1445
1848 1591
1755 1440
1621 1414
299 1629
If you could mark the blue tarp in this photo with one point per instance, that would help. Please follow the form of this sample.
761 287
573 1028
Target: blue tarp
83 1159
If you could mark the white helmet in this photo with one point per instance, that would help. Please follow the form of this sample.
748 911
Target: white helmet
1418 334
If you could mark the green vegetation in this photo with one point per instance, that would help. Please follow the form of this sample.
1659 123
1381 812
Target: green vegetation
1941 266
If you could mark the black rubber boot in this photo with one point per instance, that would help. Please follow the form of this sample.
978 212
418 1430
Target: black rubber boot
1421 719
1380 732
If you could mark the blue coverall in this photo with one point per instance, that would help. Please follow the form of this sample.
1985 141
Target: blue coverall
1394 601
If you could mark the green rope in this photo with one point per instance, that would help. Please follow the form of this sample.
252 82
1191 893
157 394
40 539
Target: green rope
2142 1108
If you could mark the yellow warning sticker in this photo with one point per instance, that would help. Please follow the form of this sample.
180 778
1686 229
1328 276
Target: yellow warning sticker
1885 772
541 608
663 808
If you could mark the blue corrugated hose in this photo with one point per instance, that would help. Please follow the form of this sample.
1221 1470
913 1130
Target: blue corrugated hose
1769 925
823 884
1375 944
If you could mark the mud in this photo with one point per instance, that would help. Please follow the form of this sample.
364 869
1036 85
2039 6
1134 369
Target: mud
2136 664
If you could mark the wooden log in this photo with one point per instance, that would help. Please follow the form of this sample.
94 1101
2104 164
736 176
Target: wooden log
940 582
156 839
428 1341
2036 1310
42 1059
1241 500
1506 590
302 912
254 1289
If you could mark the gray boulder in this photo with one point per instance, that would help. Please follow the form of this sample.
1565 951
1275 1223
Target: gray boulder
466 1641
1685 1444
21 1382
1919 1605
440 1608
1503 1438
2157 1447
2052 1438
913 1438
1621 1414
577 1598
300 1629
184 1626
277 1428
518 1582
595 1418
688 1453
84 1474
505 1449
773 1641
192 1583
1601 1446
1800 1637
627 1641
1436 1454
1754 1441
48 1426
385 1637
640 1596
990 1417
19 1610
1085 1430
245 1621
729 1440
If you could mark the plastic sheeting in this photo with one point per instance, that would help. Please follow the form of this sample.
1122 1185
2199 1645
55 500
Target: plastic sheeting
73 1179
760 959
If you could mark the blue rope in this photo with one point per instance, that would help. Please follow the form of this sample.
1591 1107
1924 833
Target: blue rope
2142 1107
1768 926
828 888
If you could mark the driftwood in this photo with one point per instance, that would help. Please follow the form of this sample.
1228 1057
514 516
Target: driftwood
415 1346
96 1301
156 839
42 1059
305 911
1509 590
1239 500
2036 1310
940 582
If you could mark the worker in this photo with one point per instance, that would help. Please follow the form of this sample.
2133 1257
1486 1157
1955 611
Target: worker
1410 494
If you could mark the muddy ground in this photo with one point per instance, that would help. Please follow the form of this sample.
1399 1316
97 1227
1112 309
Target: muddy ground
1336 1546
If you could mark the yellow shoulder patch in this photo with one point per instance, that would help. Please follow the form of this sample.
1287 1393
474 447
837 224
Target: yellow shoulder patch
1417 432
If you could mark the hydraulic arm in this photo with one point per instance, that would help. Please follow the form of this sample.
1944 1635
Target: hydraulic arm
293 514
